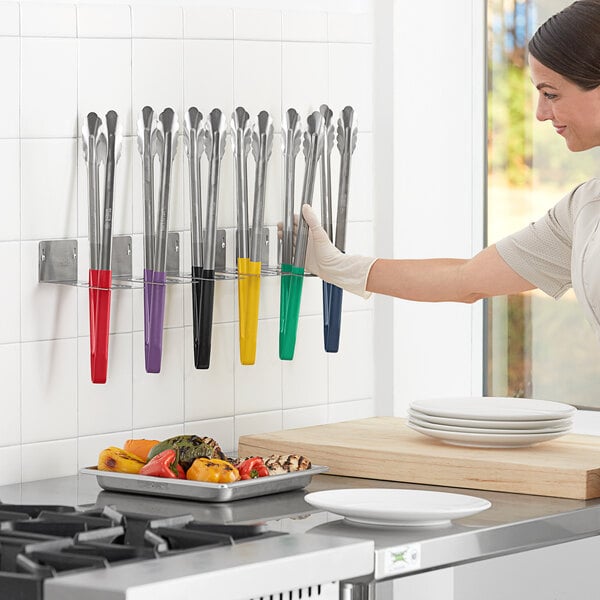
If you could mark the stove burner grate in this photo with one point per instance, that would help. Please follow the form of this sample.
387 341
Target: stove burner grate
38 542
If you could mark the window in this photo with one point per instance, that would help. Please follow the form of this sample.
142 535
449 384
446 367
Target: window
536 347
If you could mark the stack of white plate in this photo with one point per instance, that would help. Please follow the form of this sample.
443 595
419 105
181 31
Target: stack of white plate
488 422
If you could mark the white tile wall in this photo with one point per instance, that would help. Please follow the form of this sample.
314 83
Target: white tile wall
10 371
9 99
257 77
11 461
104 408
208 22
49 408
304 26
48 20
9 18
10 259
103 21
10 224
48 87
48 188
59 61
156 21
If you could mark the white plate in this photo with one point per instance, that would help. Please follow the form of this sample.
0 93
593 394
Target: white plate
493 424
494 409
490 440
488 430
389 507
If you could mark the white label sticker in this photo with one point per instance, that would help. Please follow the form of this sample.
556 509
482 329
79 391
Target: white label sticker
402 558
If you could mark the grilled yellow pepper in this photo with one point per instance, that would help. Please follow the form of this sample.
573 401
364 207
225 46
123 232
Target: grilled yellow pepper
212 470
119 461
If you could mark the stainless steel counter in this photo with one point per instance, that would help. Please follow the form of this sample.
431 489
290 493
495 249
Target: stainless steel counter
514 523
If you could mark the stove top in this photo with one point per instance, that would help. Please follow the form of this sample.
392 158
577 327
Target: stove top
317 547
39 542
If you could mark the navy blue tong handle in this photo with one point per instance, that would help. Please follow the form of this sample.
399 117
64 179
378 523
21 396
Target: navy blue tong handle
207 296
196 311
332 316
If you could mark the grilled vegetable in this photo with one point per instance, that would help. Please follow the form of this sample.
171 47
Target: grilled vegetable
190 447
119 461
164 464
252 468
212 470
279 464
140 447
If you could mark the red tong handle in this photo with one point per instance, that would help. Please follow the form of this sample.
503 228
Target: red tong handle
99 299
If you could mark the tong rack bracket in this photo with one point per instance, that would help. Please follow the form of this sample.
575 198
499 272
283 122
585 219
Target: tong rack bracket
220 249
57 261
121 256
264 251
173 253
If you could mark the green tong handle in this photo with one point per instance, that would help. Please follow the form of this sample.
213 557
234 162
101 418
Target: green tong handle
288 327
284 294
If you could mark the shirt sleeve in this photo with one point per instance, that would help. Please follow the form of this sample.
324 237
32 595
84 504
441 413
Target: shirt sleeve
541 252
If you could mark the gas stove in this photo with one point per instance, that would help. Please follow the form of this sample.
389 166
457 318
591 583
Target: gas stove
287 550
52 552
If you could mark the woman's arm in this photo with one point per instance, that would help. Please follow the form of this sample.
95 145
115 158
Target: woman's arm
446 279
426 280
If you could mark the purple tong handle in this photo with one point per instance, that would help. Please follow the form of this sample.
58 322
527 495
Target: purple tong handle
148 277
156 320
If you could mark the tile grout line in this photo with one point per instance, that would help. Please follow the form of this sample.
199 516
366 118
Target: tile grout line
183 100
234 366
281 368
77 315
20 261
132 332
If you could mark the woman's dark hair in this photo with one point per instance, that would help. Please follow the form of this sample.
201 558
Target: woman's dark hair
569 43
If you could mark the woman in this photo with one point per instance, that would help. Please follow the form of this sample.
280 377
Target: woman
560 250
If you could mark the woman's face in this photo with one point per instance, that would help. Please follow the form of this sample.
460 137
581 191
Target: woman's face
575 113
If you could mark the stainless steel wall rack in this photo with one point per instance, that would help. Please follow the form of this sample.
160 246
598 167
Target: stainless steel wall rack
58 261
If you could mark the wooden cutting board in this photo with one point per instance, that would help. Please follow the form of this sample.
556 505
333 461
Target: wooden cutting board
385 448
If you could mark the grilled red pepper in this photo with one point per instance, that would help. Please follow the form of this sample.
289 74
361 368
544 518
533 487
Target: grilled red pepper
165 464
252 468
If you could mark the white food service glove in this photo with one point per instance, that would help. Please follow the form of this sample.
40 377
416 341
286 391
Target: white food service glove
327 262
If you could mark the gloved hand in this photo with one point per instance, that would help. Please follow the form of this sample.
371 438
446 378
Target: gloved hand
327 262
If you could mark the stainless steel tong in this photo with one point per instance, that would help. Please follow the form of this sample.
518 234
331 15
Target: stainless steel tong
100 145
314 139
262 146
292 140
241 137
241 140
166 148
313 150
326 209
194 143
146 139
215 135
114 138
347 133
94 152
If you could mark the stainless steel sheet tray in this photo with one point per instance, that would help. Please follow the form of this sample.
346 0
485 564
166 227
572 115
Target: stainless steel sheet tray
199 490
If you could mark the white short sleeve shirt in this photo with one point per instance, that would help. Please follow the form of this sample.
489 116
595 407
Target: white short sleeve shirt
562 249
